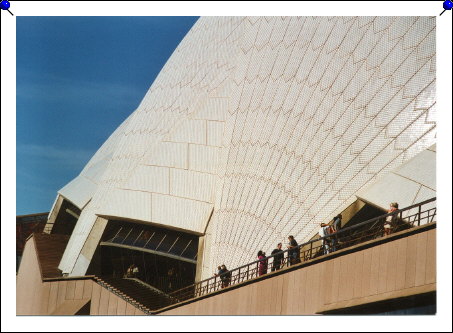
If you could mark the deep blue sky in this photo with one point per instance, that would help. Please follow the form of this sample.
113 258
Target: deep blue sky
78 78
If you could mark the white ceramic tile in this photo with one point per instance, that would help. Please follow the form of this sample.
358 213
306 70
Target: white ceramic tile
149 179
182 213
193 185
203 158
128 204
422 169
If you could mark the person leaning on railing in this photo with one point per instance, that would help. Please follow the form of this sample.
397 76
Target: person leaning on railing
225 276
336 226
219 271
278 258
325 231
294 252
262 269
390 220
135 271
129 272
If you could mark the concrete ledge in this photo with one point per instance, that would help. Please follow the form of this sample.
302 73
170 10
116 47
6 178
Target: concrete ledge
377 298
336 254
69 278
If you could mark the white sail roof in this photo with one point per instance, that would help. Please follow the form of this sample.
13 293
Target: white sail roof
264 127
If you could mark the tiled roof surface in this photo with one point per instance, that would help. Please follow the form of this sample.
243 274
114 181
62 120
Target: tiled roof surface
49 249
265 127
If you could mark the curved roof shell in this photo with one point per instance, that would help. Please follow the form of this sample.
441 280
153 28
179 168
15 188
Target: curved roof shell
261 127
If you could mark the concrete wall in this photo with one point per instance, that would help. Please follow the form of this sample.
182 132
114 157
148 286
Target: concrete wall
103 302
29 289
59 294
63 297
402 267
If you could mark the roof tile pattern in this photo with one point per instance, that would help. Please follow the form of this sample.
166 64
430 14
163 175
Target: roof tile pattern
279 121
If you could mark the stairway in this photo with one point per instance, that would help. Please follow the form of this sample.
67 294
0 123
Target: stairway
136 292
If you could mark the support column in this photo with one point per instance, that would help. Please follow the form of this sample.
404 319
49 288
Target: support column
92 242
53 214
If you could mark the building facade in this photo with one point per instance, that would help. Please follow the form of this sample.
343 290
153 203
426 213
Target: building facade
258 128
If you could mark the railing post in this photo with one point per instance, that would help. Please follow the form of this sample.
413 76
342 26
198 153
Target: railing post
434 214
419 213
239 276
311 249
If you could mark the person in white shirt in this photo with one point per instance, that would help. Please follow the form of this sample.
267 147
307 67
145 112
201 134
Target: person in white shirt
324 232
135 271
390 220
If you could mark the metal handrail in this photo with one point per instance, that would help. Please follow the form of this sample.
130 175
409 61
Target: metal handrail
118 293
330 243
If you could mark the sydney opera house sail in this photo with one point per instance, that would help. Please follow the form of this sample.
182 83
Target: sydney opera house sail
262 127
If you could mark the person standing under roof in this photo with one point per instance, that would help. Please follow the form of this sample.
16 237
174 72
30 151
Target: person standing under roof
293 253
336 226
278 258
225 276
390 220
135 271
262 265
324 232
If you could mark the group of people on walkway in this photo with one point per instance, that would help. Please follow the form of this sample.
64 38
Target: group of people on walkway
278 255
278 263
329 245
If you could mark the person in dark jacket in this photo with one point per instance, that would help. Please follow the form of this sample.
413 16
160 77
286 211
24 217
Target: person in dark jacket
336 226
225 276
278 258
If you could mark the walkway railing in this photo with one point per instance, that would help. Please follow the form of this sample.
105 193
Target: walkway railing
415 215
